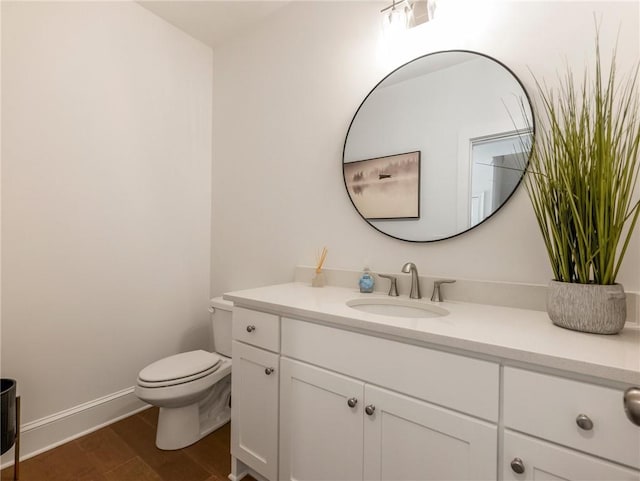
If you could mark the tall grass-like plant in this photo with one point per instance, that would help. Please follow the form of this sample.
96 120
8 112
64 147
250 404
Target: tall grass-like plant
583 172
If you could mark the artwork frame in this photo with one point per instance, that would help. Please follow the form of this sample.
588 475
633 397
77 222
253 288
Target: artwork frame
386 187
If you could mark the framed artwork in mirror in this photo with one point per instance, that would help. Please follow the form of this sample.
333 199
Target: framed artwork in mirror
385 187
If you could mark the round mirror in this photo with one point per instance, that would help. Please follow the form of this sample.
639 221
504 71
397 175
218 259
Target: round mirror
438 146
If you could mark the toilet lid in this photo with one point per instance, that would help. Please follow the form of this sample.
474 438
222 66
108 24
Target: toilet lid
181 365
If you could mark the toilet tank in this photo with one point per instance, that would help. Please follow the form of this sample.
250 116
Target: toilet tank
221 321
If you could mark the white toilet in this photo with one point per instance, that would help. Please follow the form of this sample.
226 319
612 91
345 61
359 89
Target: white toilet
192 389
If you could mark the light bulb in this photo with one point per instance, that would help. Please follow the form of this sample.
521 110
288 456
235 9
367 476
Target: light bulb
395 21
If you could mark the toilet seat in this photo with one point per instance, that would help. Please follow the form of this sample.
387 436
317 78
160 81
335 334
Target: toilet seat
179 369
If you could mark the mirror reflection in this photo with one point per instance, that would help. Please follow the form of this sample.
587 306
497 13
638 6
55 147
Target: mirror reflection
438 146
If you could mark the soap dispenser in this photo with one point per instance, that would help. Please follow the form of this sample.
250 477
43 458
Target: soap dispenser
366 281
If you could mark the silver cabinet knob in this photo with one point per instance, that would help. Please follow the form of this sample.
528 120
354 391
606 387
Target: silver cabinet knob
632 404
251 328
370 409
351 402
269 370
517 465
584 422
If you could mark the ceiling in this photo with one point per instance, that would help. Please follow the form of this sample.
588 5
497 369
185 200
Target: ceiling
214 21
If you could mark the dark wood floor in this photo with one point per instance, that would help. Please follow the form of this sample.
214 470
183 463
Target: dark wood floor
126 451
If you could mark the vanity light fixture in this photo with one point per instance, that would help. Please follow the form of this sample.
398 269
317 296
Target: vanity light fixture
402 15
395 17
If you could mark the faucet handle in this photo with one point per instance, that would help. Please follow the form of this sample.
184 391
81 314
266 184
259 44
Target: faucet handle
436 296
393 288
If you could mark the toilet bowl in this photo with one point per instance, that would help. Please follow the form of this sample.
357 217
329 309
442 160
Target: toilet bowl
192 389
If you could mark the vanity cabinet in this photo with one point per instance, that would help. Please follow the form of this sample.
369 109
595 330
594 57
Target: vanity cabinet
567 429
337 427
254 391
314 400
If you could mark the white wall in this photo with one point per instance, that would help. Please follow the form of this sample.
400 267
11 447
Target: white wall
106 167
283 99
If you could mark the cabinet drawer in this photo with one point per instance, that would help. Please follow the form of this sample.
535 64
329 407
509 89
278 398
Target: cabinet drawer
548 407
458 382
256 328
542 460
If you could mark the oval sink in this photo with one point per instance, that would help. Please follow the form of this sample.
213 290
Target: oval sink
397 307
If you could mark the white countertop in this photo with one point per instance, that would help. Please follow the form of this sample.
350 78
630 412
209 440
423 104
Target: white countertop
519 335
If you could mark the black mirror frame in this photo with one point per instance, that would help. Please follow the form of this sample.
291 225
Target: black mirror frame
524 170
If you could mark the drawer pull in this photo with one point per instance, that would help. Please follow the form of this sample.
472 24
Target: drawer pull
584 422
269 370
370 409
351 402
251 328
517 465
632 404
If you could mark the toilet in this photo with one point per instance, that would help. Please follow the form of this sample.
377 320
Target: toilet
192 389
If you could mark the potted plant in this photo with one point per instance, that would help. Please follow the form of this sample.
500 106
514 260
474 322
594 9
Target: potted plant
583 170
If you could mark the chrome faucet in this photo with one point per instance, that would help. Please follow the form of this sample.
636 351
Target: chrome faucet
410 267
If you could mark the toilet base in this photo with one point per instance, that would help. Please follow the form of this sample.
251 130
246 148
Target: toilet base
183 426
178 427
174 433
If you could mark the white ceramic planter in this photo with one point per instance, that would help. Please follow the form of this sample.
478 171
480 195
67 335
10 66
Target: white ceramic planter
587 307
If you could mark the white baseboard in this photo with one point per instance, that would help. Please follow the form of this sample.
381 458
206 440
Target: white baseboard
46 433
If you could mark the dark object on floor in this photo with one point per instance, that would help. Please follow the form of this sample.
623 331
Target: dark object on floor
10 421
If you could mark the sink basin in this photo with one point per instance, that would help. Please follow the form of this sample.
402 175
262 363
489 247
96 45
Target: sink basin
394 307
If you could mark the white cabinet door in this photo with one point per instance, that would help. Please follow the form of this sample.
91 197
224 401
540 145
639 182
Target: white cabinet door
408 439
254 409
321 424
544 461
